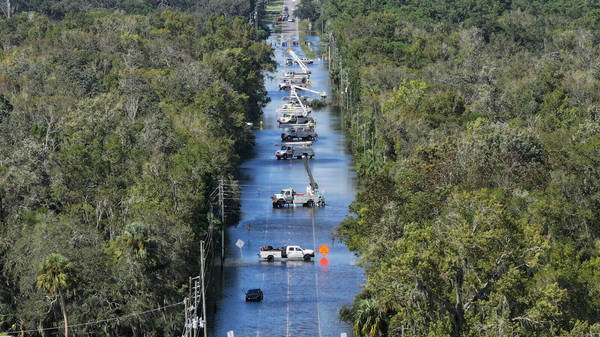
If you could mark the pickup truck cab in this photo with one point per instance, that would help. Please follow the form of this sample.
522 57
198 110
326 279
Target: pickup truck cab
286 252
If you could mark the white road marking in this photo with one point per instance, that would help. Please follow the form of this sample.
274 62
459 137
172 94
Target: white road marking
316 272
289 292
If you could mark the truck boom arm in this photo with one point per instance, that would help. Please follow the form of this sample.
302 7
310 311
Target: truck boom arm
295 94
299 61
313 183
297 87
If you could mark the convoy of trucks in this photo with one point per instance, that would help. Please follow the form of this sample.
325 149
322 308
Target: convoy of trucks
297 136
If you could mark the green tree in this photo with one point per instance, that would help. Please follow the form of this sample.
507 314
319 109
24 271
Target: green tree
56 275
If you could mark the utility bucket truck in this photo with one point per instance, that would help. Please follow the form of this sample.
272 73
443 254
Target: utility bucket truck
298 113
295 150
288 196
299 133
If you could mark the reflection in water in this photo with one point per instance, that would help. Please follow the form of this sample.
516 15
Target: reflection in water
324 264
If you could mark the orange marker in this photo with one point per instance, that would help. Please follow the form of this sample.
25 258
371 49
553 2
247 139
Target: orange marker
324 249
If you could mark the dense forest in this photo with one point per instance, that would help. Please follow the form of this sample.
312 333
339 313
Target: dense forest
60 8
476 132
114 129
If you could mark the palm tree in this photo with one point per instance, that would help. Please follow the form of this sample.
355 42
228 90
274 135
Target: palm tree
55 275
369 319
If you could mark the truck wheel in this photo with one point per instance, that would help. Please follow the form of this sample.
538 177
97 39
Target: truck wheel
270 258
275 205
307 258
298 157
288 138
310 203
280 204
285 156
310 138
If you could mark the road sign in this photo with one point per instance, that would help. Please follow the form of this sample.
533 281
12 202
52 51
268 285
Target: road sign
324 249
240 243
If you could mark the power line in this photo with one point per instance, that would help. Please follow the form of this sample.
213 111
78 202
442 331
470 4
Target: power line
98 322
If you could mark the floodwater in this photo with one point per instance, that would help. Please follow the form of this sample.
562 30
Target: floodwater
300 298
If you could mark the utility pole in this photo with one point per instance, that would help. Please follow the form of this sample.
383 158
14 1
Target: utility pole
203 293
186 326
222 202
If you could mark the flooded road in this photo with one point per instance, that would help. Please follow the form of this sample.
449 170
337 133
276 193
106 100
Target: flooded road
300 298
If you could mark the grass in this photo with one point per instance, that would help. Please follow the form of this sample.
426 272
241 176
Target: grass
302 31
274 6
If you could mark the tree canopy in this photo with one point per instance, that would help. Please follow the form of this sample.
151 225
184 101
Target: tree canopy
474 126
114 130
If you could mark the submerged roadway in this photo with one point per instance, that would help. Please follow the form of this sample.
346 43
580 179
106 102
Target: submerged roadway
300 298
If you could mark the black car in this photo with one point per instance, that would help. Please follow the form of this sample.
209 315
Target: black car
254 295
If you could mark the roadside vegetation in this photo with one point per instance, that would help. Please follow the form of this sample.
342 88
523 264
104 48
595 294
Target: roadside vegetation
60 8
475 127
114 130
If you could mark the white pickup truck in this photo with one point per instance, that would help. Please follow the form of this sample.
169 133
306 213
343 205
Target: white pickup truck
286 252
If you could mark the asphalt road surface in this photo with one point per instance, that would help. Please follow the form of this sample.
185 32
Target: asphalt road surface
300 298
